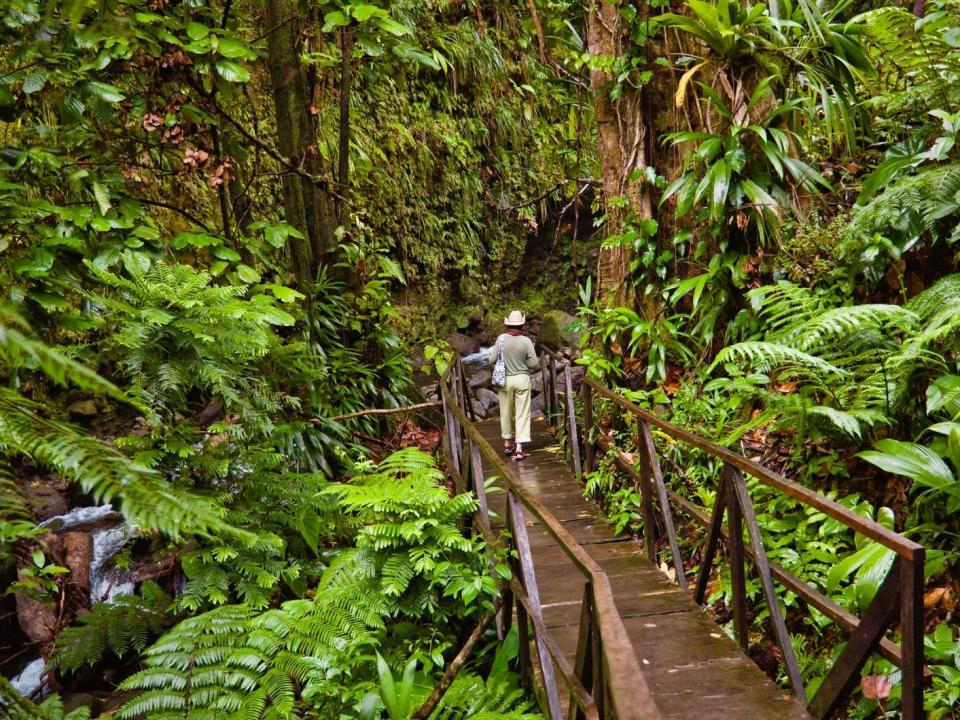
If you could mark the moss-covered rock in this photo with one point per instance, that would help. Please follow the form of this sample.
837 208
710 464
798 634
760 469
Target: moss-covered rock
554 332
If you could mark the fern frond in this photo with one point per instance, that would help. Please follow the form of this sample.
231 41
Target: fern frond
126 624
767 356
105 473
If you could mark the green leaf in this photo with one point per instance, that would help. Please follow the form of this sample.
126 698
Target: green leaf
103 199
911 460
136 262
34 82
247 274
230 47
362 13
371 46
277 234
334 20
105 91
391 26
225 253
285 294
196 30
232 72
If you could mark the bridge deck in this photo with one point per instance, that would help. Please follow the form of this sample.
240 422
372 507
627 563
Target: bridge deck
693 669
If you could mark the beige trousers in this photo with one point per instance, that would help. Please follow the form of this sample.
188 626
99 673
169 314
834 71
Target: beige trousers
515 409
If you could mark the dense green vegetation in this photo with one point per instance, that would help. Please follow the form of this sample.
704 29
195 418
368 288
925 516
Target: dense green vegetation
226 225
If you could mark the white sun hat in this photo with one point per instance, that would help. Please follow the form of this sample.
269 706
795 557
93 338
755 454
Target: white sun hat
515 319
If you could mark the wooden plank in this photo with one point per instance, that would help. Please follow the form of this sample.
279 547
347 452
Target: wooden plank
692 668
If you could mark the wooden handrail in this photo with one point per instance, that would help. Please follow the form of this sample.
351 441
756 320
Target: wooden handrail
903 585
626 686
906 548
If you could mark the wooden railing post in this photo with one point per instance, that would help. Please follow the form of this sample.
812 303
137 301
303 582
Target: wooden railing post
454 438
738 579
476 466
845 672
766 581
583 660
573 436
554 395
599 683
712 541
465 392
545 391
528 579
651 467
911 628
589 452
646 508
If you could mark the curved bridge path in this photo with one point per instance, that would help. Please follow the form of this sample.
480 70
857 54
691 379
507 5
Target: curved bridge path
603 632
692 668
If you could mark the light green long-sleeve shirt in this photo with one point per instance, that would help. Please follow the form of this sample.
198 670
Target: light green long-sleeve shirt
519 356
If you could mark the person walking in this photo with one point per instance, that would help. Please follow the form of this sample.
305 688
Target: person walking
519 360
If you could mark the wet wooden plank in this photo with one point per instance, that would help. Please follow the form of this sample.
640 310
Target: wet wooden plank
692 667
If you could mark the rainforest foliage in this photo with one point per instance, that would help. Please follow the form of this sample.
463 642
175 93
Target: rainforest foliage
228 226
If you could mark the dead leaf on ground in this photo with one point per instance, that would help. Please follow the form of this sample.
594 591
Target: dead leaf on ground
938 596
876 687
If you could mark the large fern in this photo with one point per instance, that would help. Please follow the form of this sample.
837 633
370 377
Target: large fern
107 474
470 696
233 660
855 366
175 332
126 624
911 206
411 561
16 707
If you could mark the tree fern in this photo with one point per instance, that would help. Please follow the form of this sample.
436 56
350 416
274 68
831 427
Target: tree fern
175 332
233 662
127 623
859 365
16 707
108 475
16 521
910 206
470 696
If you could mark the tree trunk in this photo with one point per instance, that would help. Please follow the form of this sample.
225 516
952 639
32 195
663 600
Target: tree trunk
625 145
306 206
346 72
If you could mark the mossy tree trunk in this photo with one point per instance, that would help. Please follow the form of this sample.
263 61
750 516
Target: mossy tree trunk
306 206
623 136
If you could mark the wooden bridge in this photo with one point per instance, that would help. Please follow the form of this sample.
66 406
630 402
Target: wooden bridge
603 632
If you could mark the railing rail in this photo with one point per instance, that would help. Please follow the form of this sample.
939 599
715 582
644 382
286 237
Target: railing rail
900 596
605 680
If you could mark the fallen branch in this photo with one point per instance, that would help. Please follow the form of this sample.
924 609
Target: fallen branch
381 411
454 667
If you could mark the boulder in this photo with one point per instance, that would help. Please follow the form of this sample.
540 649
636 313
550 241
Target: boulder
478 409
480 378
38 620
536 406
536 383
462 344
78 550
488 398
86 408
46 496
554 332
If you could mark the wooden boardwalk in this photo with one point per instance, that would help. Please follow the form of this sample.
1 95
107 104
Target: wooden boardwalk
692 668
